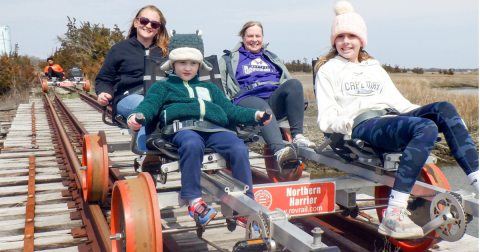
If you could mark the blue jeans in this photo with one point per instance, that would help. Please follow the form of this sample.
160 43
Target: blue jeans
191 147
125 108
415 132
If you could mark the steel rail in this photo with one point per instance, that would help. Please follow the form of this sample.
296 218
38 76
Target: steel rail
95 225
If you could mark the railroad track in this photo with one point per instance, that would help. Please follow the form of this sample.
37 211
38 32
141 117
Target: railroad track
41 202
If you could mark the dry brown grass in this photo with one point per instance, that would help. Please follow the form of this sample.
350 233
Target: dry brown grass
419 90
428 88
11 100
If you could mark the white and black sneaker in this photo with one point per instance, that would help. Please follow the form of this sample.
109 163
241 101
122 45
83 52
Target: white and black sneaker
301 141
285 154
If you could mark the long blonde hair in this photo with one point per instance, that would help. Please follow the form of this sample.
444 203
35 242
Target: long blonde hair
362 55
161 39
247 25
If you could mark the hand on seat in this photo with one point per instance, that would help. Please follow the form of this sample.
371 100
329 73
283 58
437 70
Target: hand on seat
104 98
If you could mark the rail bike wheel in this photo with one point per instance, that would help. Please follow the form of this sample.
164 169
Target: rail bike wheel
135 215
272 166
86 86
432 175
95 159
45 86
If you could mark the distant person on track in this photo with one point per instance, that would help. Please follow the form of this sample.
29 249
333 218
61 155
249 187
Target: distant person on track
254 77
121 77
54 70
203 112
356 97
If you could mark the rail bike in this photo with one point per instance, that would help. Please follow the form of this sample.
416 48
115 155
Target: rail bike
75 80
135 203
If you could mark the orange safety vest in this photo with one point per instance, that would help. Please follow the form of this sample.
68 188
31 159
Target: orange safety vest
55 67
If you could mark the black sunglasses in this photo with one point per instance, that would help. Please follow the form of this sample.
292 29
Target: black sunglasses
145 21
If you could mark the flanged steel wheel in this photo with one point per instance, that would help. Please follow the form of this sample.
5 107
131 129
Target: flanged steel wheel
273 172
135 216
86 86
95 159
432 175
45 86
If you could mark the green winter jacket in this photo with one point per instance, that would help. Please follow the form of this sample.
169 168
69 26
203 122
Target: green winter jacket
230 85
175 99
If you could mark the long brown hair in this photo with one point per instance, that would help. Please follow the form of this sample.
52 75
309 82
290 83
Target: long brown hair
362 55
161 39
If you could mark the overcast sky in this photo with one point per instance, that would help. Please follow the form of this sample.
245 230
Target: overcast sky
410 33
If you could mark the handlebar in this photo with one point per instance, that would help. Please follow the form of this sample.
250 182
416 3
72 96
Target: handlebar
139 117
265 117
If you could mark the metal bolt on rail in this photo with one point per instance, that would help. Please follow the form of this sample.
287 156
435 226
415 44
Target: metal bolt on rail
117 237
317 236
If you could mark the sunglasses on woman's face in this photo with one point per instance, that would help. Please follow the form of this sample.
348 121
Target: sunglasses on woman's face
145 21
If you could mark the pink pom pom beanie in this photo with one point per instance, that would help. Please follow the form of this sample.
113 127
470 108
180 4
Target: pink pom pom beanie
347 21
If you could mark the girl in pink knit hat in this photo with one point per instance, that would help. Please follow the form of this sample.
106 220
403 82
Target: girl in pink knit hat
357 98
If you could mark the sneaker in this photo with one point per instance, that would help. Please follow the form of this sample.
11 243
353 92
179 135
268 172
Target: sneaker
201 213
397 224
242 222
285 154
302 141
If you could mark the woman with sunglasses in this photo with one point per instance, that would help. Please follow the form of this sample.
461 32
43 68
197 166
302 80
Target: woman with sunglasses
121 76
254 77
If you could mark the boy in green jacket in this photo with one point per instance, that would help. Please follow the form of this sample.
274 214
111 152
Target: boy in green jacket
206 111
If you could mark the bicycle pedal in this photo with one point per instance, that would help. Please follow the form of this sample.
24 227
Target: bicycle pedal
255 245
291 164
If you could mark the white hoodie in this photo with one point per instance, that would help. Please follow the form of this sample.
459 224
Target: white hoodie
344 90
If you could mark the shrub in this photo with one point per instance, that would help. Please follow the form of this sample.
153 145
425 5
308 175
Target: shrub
85 46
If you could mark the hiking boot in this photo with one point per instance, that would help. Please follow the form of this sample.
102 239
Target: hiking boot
398 225
149 163
286 154
301 141
201 213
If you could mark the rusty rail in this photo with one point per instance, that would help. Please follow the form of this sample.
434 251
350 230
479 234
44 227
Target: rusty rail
95 226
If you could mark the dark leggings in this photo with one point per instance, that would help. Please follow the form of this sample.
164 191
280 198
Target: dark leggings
416 132
285 101
52 73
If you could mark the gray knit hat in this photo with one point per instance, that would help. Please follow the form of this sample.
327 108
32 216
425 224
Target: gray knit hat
185 47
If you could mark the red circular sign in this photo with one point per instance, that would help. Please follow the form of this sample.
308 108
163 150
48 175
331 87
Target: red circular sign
264 198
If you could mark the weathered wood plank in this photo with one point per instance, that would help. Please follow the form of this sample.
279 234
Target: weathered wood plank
54 241
40 198
22 180
40 210
23 189
42 224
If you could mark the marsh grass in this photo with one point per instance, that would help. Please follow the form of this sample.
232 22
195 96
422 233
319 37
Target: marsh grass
423 91
11 100
428 88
